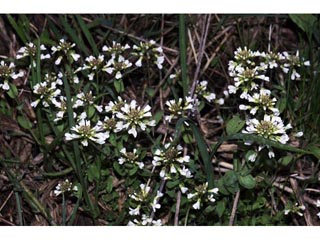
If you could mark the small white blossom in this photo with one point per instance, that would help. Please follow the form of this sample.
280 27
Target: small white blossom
134 118
85 132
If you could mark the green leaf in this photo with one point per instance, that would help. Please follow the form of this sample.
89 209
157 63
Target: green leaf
91 111
150 91
93 173
88 35
220 208
260 203
158 116
259 140
13 91
78 193
305 22
118 85
285 161
247 181
315 150
202 146
20 32
118 169
109 184
187 137
24 122
133 170
172 184
230 182
183 54
234 125
282 104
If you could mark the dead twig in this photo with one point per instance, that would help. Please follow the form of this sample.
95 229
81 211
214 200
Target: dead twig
234 208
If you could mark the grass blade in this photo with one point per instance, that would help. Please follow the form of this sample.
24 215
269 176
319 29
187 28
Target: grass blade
183 54
20 32
68 28
202 146
88 35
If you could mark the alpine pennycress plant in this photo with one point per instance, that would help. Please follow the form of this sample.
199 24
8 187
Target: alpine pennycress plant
106 141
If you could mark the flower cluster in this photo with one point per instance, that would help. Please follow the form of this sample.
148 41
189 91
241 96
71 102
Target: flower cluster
130 157
178 108
171 161
129 117
202 194
64 187
148 51
85 132
7 72
65 49
143 200
249 71
132 118
201 90
296 208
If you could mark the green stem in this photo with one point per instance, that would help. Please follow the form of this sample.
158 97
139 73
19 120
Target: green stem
64 210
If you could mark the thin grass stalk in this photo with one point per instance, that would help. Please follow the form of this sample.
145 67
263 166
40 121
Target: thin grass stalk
64 210
183 54
74 213
19 208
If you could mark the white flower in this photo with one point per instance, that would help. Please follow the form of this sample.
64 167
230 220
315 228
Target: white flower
271 154
117 65
134 117
134 211
318 203
183 189
196 205
232 89
157 222
84 131
298 134
270 127
286 211
253 157
64 49
155 205
178 108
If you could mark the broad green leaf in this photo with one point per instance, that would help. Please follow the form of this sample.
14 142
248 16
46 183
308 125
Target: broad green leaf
158 116
230 182
109 184
260 203
118 85
234 125
247 181
150 91
91 111
24 122
220 208
93 173
285 160
282 104
13 91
